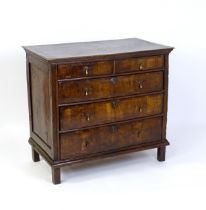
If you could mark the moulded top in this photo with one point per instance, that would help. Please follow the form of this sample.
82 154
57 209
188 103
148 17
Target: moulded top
95 48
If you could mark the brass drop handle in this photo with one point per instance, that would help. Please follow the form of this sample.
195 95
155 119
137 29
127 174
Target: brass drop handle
87 116
87 91
114 128
141 66
85 144
139 109
140 84
115 103
86 69
113 80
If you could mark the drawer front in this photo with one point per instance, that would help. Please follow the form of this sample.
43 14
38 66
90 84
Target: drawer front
139 64
84 90
77 116
106 138
75 70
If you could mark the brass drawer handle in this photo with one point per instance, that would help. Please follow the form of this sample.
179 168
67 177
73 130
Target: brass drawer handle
113 80
85 145
141 66
140 84
87 91
87 116
86 70
139 109
114 128
115 104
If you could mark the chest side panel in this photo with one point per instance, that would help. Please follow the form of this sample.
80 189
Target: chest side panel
40 104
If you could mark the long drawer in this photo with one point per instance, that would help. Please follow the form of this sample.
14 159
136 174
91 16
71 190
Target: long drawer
77 116
84 90
106 138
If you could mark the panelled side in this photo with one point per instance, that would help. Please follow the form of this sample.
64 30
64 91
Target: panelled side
40 106
165 102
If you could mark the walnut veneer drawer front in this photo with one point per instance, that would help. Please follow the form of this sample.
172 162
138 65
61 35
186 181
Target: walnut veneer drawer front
92 100
75 70
84 90
110 137
77 116
140 64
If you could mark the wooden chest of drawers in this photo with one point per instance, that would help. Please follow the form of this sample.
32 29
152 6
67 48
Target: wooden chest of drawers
93 100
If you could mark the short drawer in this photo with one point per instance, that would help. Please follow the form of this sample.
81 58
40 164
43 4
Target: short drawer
76 70
77 116
107 138
84 90
139 64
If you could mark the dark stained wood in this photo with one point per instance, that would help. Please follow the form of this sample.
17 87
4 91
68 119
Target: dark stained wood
161 153
85 90
35 155
73 70
28 77
110 111
101 155
40 104
37 68
110 123
140 64
54 110
94 100
106 138
165 102
91 49
56 176
39 149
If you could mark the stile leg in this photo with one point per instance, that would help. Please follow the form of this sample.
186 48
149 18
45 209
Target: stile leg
56 175
161 153
35 155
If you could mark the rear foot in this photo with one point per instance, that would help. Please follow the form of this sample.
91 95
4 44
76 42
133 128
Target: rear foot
161 153
56 176
35 156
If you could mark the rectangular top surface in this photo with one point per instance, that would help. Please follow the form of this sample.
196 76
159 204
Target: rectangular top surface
96 48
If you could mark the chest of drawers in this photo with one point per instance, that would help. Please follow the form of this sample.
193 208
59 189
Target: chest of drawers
93 100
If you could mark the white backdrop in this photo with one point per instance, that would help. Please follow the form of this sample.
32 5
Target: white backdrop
131 181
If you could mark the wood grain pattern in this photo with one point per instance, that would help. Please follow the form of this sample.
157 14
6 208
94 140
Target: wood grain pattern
97 156
140 64
70 51
98 113
110 137
85 90
75 70
93 100
40 104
